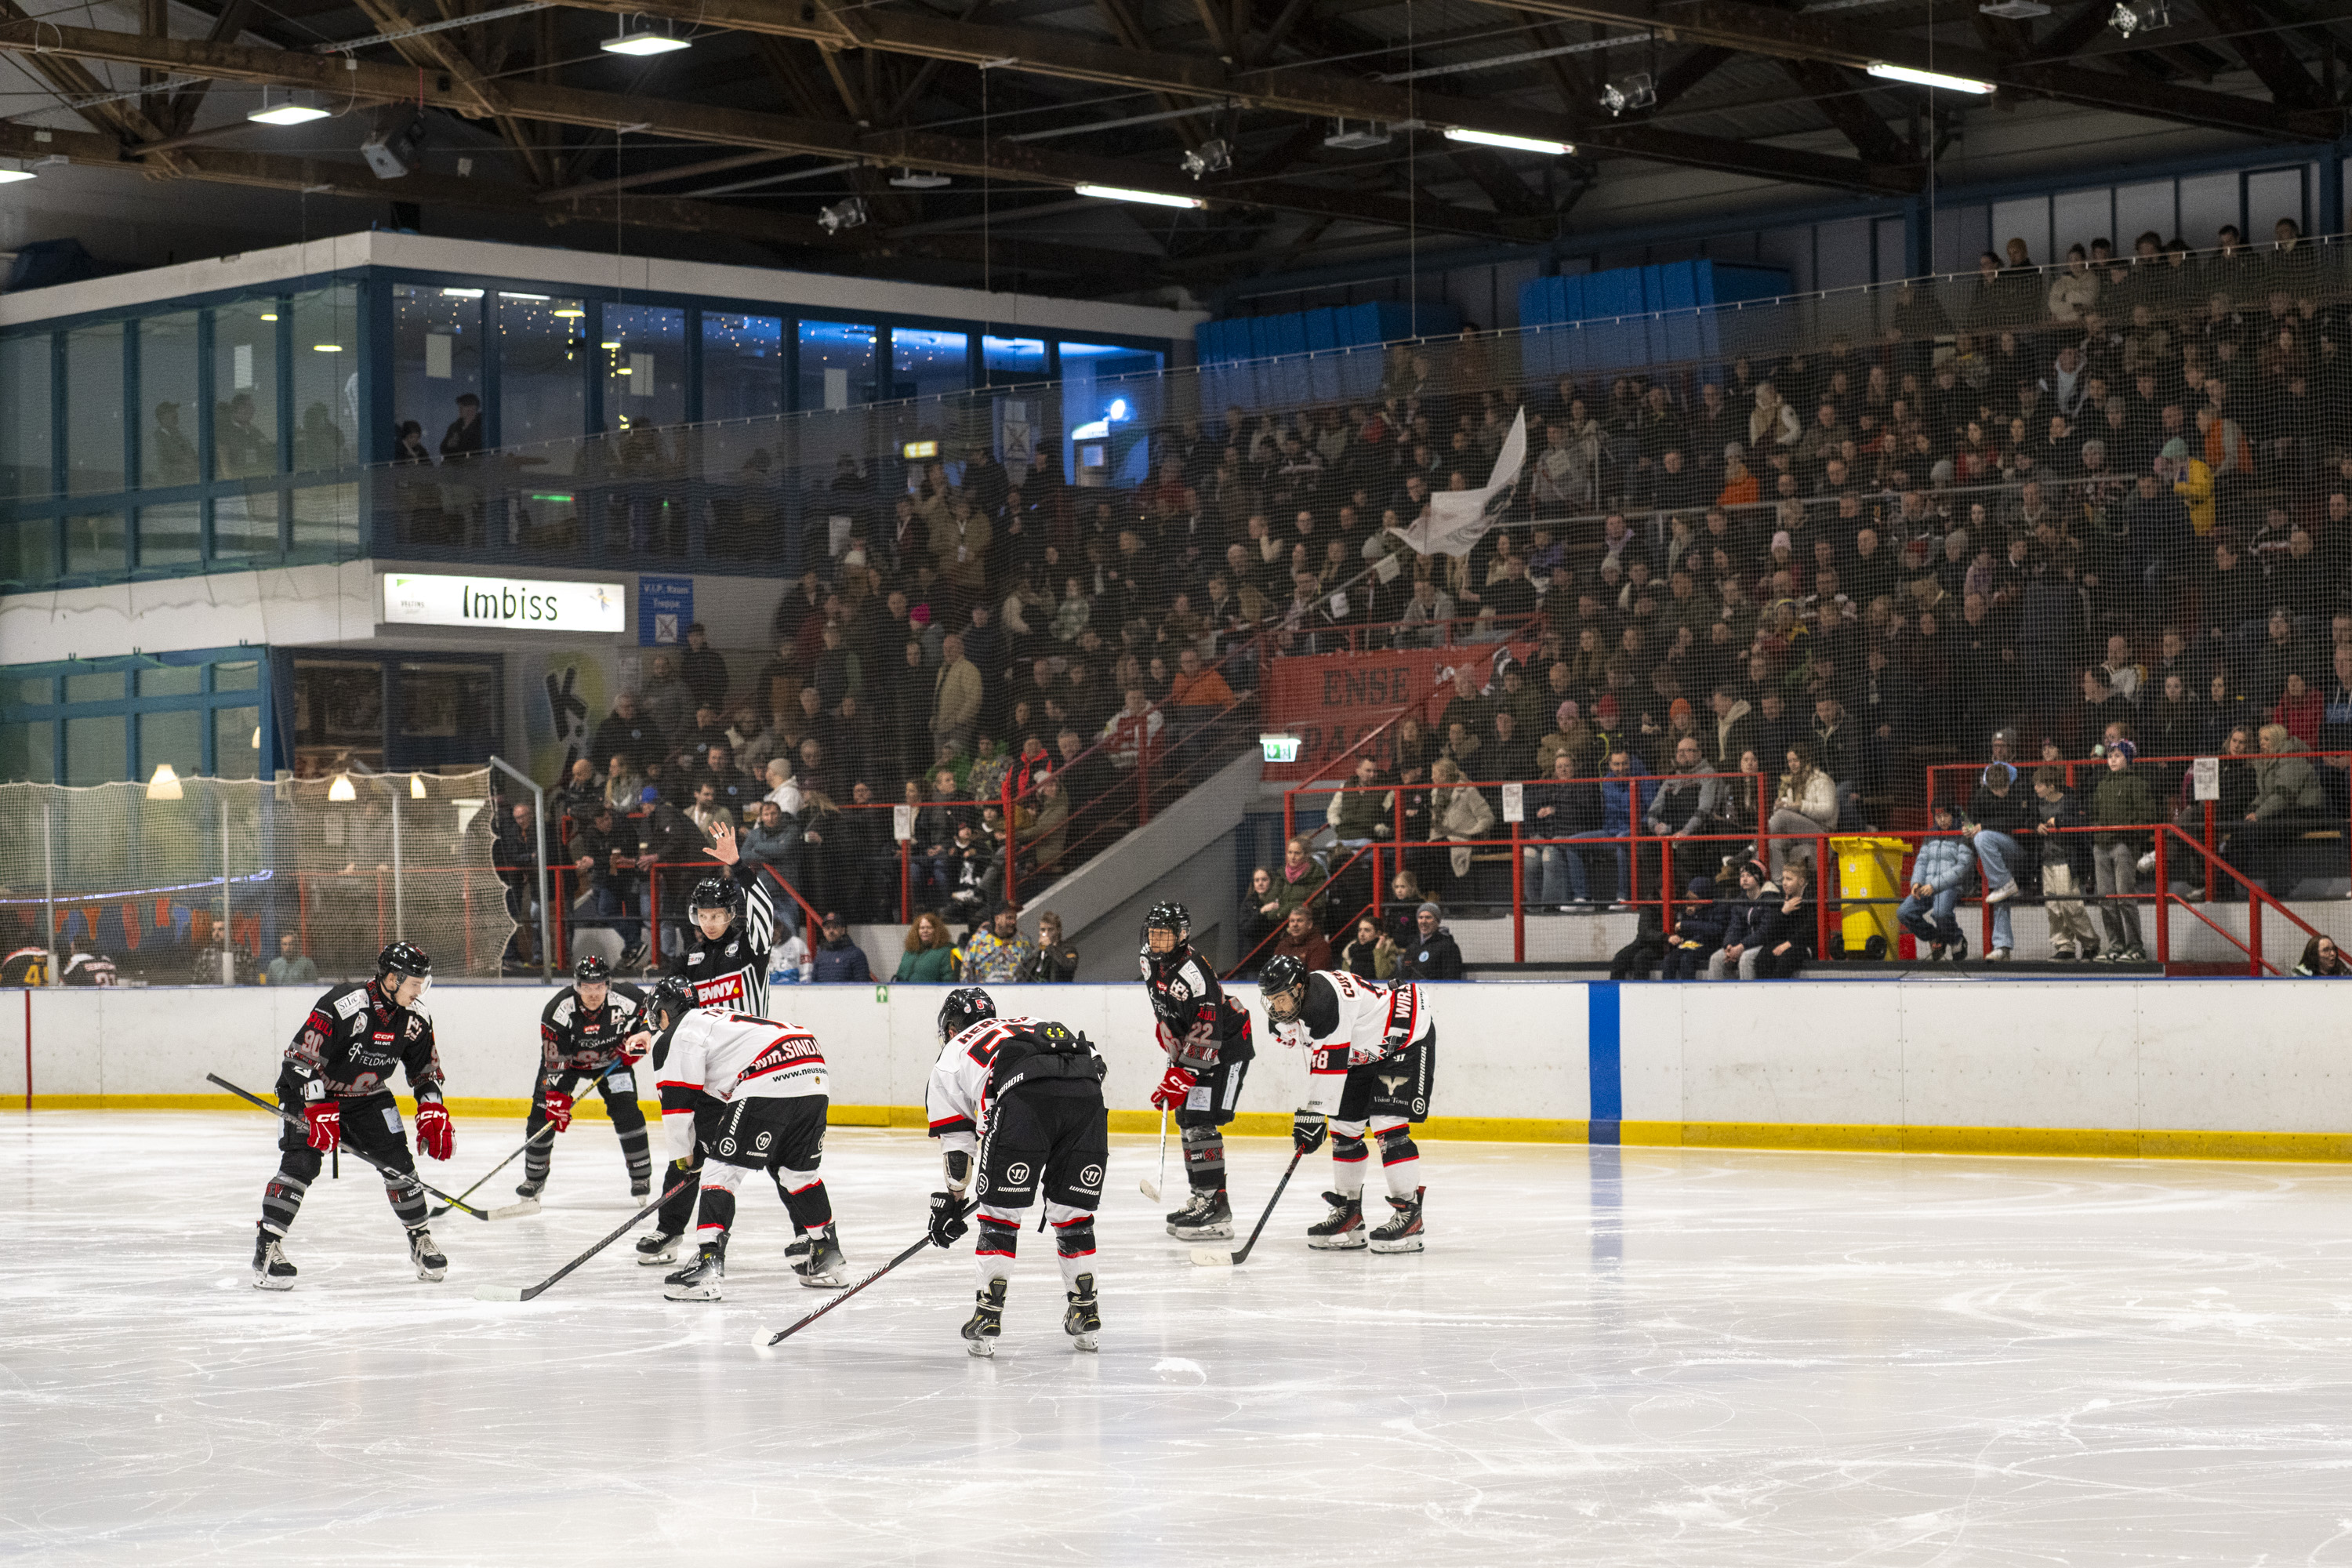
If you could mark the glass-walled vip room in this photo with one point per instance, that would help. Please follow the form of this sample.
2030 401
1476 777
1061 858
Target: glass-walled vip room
474 419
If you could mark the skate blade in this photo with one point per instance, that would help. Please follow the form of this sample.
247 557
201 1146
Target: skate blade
1212 1257
1404 1243
823 1282
266 1283
984 1348
431 1275
516 1211
1350 1242
692 1293
1084 1342
655 1259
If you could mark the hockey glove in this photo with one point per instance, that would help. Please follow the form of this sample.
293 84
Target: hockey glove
324 1119
435 1138
1307 1131
1174 1088
635 1046
947 1227
559 1109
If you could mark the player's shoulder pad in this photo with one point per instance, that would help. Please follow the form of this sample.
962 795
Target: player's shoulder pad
561 1005
624 999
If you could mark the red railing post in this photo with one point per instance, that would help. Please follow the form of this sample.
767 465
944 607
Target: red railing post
1376 884
1518 900
1011 841
1763 814
2163 904
2254 900
906 885
2208 849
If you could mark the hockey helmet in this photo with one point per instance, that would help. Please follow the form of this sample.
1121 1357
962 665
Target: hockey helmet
1282 984
591 969
669 1002
716 893
965 1006
404 958
1172 918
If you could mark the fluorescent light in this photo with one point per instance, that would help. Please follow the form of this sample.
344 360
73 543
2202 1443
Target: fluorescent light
644 41
567 312
461 293
533 299
269 315
613 344
326 348
1516 143
1149 198
1886 73
282 106
10 176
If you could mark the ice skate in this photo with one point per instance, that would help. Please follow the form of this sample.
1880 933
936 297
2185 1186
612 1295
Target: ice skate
639 1187
987 1319
1083 1320
1342 1229
661 1246
430 1264
270 1269
1207 1217
1402 1232
826 1266
530 1189
700 1280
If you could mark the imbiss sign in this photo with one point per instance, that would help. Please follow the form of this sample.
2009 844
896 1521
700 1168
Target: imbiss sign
505 604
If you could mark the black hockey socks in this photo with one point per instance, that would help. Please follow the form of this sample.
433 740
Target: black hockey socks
535 1159
634 1150
1073 1243
993 1253
717 1214
804 1199
1204 1159
1347 1155
406 1197
1399 1162
281 1200
674 1214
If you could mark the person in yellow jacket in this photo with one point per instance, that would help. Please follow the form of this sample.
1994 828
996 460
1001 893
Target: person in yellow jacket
2192 481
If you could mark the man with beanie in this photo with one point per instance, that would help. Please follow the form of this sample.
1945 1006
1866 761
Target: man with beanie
1997 818
1432 955
1939 876
2122 808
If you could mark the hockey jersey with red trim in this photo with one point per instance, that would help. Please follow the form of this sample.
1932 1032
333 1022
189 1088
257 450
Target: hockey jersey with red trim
964 1083
732 1056
353 1039
1345 1022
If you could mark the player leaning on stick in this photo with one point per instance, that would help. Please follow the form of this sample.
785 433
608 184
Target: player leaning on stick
1017 1104
580 1034
1374 1051
730 926
768 1080
1206 1035
337 1075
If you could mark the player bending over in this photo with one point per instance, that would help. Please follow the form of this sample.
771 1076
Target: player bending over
766 1081
1206 1035
1374 1050
730 927
1022 1100
336 1074
580 1036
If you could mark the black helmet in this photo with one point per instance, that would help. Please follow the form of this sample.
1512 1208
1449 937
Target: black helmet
965 1006
404 958
669 1002
589 969
1172 918
717 893
1275 982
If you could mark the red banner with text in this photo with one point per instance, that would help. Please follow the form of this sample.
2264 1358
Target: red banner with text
1332 701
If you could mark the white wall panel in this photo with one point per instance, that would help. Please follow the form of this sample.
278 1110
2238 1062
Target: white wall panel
2016 1055
1820 1052
2206 1063
2078 217
2026 218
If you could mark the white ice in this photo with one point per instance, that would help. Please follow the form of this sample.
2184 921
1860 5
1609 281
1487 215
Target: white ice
1653 1356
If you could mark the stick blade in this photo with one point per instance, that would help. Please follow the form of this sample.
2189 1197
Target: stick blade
517 1211
497 1293
1149 1189
1211 1258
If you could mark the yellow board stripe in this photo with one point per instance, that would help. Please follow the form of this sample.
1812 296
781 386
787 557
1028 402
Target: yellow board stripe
2080 1142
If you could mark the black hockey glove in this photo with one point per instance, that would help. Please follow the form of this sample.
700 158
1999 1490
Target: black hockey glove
1307 1131
947 1219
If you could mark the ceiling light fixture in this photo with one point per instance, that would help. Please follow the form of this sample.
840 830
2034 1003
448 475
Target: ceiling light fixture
341 788
1149 198
642 41
165 785
285 106
1886 73
2140 16
1363 139
1514 143
9 176
416 787
1637 91
1213 157
907 180
841 215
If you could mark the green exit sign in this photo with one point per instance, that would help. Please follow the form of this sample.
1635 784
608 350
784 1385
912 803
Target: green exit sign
1279 748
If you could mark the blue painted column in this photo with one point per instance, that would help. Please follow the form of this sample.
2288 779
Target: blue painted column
1602 1040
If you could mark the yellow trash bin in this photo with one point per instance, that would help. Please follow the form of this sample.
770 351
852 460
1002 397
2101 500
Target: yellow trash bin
1870 868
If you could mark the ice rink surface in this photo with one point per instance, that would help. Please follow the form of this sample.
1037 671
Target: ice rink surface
1648 1357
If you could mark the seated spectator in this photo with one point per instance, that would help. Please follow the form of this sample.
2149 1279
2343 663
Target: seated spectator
1300 881
1785 938
1458 814
2289 801
2323 959
1807 805
1370 953
1001 954
1301 940
1940 874
1743 919
928 958
1057 961
292 966
837 959
1261 916
1432 955
1698 932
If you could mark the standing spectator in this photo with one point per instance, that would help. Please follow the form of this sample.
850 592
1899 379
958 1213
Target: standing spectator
1939 877
956 694
2065 866
1057 961
1300 939
928 958
837 959
625 732
775 842
1434 954
1132 743
1806 805
2123 807
514 853
704 669
1457 813
291 966
1361 814
1625 801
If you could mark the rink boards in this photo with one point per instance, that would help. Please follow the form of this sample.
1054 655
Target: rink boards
2215 1069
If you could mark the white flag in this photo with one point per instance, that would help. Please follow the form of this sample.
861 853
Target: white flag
1456 519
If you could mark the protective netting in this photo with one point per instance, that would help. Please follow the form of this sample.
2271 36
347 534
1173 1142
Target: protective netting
205 881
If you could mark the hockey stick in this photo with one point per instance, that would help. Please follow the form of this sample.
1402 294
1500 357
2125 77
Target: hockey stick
528 1206
1210 1258
782 1334
288 1117
531 1292
1151 1189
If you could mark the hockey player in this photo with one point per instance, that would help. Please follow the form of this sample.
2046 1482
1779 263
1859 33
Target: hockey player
340 1061
1206 1035
1017 1103
1374 1050
580 1036
730 928
768 1080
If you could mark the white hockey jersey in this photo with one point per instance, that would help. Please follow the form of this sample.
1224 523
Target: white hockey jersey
734 1056
957 1097
1347 1022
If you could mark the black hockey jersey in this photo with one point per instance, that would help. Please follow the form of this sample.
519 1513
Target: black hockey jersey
995 1056
1200 1025
731 973
573 1037
354 1037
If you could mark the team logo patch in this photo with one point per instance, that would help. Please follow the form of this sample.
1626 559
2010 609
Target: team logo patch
414 1028
347 1005
1421 1108
1091 1176
1177 990
1390 1084
726 1145
1017 1175
760 1145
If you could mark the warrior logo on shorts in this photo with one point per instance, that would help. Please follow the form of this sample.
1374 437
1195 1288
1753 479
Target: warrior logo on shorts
726 1145
1091 1176
1017 1175
760 1145
1421 1108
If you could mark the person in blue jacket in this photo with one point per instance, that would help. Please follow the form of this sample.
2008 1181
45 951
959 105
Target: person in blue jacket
1698 933
1940 874
1620 810
836 957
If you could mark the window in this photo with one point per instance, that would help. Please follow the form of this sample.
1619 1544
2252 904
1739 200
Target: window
167 400
1105 420
101 686
29 550
924 363
742 366
28 752
97 750
338 714
245 525
120 723
170 681
238 675
245 394
96 546
644 355
25 434
94 410
327 522
1011 361
237 742
326 378
171 535
175 736
436 356
837 365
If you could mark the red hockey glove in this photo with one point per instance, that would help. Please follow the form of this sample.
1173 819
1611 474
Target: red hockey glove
559 1109
324 1119
1174 1088
434 1136
1167 1041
